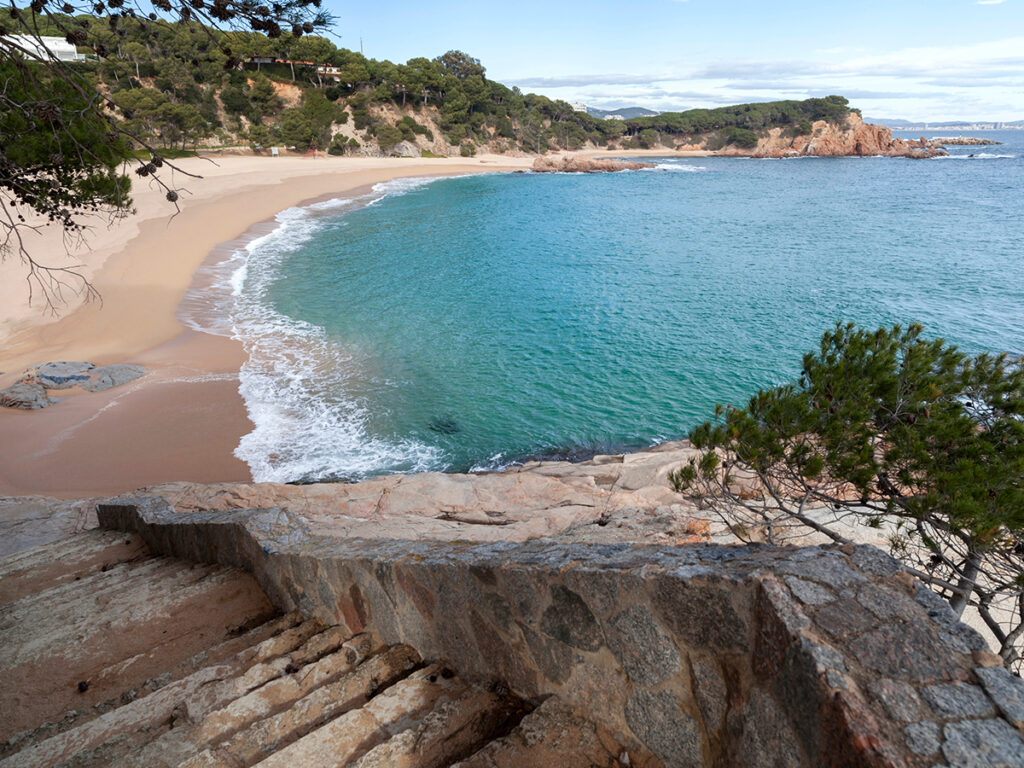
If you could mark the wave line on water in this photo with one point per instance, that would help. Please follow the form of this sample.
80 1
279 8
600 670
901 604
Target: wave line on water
298 433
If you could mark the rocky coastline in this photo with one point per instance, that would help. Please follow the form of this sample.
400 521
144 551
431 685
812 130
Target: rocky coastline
963 141
570 164
852 138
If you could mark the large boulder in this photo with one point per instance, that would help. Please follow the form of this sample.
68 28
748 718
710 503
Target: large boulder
26 395
61 375
107 376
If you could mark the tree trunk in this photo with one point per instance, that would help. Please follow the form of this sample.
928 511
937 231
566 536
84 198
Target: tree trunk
965 585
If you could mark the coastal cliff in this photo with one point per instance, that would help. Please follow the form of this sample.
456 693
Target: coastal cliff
849 138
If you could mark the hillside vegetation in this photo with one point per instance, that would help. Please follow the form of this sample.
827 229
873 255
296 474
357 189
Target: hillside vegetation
191 85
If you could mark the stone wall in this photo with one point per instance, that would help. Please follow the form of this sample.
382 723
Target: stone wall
690 656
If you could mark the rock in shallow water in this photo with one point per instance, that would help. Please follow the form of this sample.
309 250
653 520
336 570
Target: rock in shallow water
108 376
26 395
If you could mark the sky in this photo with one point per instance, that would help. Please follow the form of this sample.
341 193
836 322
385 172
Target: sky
927 60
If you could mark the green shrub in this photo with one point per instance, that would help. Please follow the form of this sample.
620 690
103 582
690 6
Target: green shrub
741 137
388 136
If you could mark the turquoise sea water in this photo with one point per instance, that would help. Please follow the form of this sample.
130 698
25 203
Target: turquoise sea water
471 322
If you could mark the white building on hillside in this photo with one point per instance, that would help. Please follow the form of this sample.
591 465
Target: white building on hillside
42 47
579 106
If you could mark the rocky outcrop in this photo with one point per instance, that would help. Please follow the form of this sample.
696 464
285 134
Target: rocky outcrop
853 137
60 375
26 396
113 657
686 656
963 141
107 376
31 392
570 164
31 521
606 499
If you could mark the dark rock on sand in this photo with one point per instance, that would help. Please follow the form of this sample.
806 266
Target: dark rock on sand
26 395
108 376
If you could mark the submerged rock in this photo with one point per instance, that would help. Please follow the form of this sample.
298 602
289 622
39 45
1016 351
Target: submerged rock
108 376
445 425
26 395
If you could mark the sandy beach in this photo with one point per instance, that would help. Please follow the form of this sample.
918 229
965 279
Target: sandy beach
183 419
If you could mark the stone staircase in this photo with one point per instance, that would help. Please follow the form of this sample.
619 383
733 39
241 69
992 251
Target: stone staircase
113 657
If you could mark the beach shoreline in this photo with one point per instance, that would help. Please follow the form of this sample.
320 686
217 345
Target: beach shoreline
183 419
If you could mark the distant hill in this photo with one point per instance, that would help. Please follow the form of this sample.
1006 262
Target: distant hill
626 113
893 122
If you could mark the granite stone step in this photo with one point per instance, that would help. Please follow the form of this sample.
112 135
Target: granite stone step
104 625
69 559
552 735
454 728
160 747
345 738
118 733
269 735
242 645
282 692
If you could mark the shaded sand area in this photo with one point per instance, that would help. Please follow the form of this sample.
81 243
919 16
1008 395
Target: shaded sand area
183 419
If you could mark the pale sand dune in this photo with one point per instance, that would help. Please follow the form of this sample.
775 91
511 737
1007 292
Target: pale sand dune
176 423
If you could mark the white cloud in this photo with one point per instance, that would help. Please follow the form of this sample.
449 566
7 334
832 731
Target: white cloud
975 81
990 2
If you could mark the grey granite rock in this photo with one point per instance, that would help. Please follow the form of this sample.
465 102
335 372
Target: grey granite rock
900 700
26 396
108 376
670 733
63 374
710 691
645 651
923 738
1006 690
768 740
570 620
983 744
939 610
829 568
959 700
808 592
874 561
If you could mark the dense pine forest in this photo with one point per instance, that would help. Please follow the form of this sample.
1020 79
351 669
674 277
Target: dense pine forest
191 85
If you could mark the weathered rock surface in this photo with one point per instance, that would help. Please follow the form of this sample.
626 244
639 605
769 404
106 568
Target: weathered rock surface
31 521
852 138
107 376
113 658
25 395
964 141
61 375
569 164
605 499
31 392
685 656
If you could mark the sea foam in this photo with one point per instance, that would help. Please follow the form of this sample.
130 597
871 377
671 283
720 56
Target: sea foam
294 380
